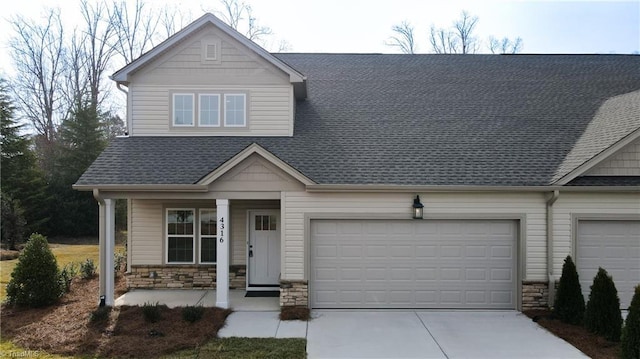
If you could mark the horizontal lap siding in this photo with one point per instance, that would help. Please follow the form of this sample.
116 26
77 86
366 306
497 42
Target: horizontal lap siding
607 205
449 204
146 232
624 163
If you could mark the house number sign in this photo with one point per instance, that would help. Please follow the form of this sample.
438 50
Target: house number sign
221 230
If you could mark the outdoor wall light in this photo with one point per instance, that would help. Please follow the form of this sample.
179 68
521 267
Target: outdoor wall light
417 208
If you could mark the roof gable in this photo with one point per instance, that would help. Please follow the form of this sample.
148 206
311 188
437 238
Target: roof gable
123 75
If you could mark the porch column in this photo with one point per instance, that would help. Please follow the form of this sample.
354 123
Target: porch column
222 254
107 244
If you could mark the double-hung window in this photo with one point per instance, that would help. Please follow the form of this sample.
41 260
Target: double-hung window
208 235
180 235
183 109
235 110
209 105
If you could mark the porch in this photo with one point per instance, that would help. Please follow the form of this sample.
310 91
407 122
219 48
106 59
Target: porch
193 297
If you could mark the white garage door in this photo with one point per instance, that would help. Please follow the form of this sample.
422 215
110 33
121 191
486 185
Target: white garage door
413 264
614 246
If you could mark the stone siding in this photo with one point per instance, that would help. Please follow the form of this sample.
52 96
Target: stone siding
294 293
183 277
535 295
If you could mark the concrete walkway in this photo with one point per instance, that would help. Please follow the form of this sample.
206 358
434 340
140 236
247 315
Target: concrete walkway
207 298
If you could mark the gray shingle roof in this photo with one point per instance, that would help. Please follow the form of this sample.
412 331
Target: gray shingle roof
416 120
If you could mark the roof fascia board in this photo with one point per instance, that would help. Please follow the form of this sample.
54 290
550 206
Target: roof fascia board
122 75
244 154
397 188
143 187
599 158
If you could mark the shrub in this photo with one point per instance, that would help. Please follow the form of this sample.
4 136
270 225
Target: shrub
119 260
151 312
67 274
35 280
631 331
603 316
569 303
192 314
100 315
295 313
88 269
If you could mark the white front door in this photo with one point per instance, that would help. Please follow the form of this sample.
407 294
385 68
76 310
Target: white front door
264 248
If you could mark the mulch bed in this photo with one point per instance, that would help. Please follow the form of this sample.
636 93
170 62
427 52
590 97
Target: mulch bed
66 329
590 344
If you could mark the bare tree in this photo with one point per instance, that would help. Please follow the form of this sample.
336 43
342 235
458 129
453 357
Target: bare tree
38 52
403 38
172 20
135 29
459 39
239 16
505 45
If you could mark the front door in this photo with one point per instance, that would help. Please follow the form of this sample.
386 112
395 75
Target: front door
264 249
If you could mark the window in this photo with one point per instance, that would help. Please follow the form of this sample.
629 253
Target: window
180 235
265 223
234 110
208 235
209 110
183 109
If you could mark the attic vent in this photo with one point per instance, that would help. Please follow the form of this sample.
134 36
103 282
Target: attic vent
211 52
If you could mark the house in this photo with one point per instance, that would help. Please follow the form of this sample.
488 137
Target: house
299 173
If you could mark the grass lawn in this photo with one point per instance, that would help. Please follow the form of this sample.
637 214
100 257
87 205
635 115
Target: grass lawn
9 350
65 253
252 348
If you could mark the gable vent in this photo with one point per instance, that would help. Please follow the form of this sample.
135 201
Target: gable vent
211 52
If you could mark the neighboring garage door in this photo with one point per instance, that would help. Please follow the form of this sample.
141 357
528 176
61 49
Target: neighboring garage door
614 246
413 264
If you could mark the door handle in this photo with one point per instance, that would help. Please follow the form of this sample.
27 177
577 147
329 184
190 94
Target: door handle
250 251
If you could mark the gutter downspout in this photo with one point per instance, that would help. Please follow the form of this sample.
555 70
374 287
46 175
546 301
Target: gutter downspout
554 197
126 119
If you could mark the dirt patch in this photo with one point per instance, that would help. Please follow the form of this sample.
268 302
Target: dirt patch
7 255
592 345
295 313
66 328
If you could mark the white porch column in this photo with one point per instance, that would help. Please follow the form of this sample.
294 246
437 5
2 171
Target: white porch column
222 254
110 236
107 244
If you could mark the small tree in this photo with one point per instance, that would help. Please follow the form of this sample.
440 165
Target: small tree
569 303
35 278
603 316
631 330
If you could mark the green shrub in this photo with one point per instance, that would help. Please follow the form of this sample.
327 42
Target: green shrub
569 302
100 315
35 280
631 331
192 314
151 312
603 315
88 269
67 274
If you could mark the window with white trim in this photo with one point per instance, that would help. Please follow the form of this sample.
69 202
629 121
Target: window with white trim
180 235
208 235
183 109
209 110
235 110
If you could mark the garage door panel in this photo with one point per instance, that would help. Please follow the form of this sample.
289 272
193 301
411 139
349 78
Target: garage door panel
614 246
408 264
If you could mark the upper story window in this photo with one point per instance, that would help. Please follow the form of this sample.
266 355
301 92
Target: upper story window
235 110
209 110
183 109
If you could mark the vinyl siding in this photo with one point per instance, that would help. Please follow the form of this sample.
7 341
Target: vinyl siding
624 163
595 205
449 205
147 229
182 69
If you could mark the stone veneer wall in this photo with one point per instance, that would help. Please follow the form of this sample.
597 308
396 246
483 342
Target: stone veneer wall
183 276
294 293
535 295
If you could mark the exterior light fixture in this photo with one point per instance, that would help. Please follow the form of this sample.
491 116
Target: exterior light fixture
417 208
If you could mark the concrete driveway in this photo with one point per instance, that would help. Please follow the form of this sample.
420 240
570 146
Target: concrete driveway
431 334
